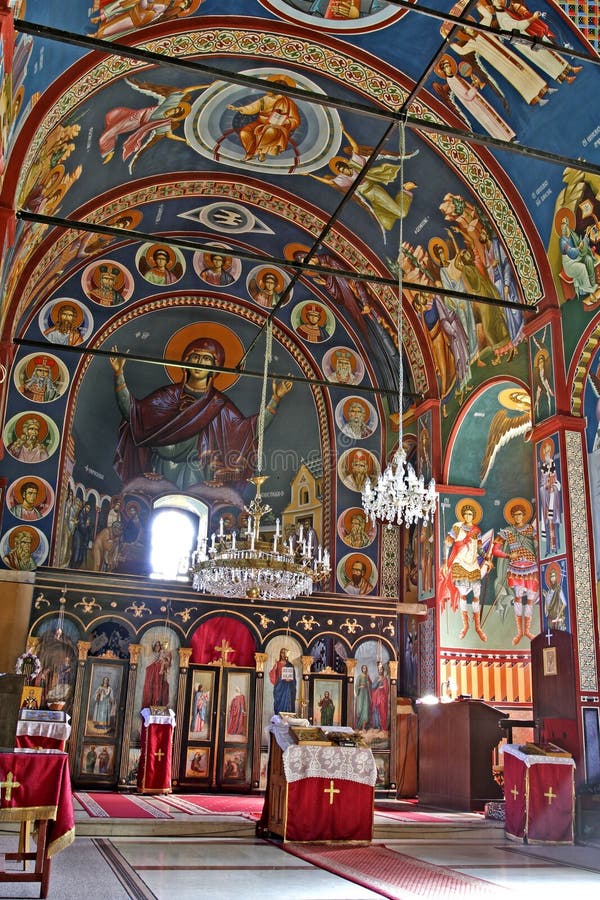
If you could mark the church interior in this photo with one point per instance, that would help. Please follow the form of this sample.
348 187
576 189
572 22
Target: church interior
354 476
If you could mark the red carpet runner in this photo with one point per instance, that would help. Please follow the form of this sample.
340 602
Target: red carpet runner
394 875
119 806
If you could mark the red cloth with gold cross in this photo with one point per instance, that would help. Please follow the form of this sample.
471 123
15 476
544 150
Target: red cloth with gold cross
540 797
154 772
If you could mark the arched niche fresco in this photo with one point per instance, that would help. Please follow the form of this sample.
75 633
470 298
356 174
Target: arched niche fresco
283 677
158 672
496 480
55 644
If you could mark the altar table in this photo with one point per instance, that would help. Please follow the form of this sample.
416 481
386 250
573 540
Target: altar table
319 793
36 735
35 786
154 770
540 797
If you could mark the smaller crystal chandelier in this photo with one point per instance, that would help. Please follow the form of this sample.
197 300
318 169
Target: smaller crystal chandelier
251 567
400 496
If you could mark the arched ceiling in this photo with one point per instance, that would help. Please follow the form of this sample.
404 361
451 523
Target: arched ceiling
305 137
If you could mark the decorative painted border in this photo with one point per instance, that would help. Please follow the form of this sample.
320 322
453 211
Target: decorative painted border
373 83
588 676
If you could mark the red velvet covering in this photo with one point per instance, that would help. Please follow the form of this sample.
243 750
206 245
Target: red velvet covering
311 816
154 772
41 789
540 798
210 635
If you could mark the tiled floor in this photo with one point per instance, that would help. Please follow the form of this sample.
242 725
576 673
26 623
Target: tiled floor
218 857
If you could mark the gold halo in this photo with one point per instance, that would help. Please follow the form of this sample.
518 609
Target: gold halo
290 250
515 398
153 248
42 492
469 501
35 538
44 359
517 501
358 557
431 247
119 278
43 433
322 314
547 442
279 282
232 348
564 212
78 318
352 401
553 567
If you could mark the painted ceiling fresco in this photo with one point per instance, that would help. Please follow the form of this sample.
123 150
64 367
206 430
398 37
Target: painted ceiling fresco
187 173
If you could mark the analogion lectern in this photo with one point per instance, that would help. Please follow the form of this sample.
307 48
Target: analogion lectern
456 742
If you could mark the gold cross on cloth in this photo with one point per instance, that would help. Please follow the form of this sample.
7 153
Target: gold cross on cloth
331 791
550 795
515 792
224 650
9 784
159 754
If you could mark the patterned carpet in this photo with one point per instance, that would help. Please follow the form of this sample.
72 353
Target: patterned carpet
394 875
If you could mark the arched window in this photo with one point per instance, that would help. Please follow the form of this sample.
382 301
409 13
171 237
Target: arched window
178 524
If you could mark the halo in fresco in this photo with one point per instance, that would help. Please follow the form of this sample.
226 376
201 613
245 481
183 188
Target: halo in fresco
342 365
23 548
357 574
30 498
218 269
356 418
65 322
355 528
160 264
31 437
312 321
232 346
355 466
301 139
265 285
41 377
349 16
107 283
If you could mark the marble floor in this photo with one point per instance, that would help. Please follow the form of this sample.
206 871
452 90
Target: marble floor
218 857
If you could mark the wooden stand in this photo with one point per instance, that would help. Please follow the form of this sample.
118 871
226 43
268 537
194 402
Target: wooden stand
456 741
41 871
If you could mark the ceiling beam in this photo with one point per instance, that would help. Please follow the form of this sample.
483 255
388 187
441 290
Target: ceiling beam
149 57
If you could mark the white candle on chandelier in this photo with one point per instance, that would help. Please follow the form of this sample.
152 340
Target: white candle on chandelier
249 525
233 534
301 535
212 539
276 527
221 532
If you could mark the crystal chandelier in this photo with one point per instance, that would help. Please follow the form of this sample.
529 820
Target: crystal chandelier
249 567
400 496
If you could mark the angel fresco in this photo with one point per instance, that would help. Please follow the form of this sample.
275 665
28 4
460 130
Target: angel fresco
121 16
147 126
512 420
386 209
456 90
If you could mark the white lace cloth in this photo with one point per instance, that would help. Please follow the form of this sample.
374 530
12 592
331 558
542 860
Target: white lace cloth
532 759
348 763
58 731
150 719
